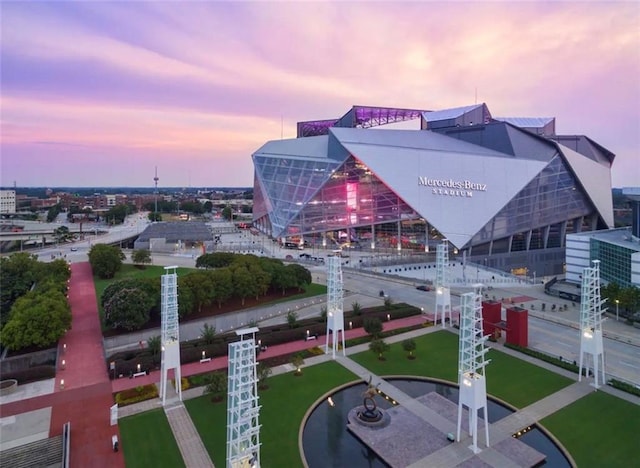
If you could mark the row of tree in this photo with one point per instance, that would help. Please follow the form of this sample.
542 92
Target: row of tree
129 304
35 310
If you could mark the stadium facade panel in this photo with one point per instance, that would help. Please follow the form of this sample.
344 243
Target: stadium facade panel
502 195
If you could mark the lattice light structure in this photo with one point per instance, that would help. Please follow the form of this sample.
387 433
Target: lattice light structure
443 294
471 365
591 348
243 427
335 304
170 332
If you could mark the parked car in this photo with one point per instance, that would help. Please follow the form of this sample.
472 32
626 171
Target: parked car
74 249
423 287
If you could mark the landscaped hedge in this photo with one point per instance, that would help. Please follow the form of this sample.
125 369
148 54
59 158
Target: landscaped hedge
32 374
126 362
136 394
624 386
546 358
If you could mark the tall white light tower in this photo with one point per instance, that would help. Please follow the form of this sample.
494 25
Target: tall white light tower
443 294
335 312
471 364
170 332
591 323
243 427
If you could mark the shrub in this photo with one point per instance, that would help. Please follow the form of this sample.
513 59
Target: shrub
292 319
356 308
297 360
136 395
373 326
184 381
409 346
32 374
625 387
208 333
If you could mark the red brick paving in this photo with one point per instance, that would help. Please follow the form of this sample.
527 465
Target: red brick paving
272 351
86 397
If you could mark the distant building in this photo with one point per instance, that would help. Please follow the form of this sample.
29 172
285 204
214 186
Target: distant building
186 237
504 192
617 249
7 201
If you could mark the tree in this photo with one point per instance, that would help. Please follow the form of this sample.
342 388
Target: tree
37 320
217 385
154 216
150 286
356 308
192 207
215 260
373 326
323 313
292 319
283 279
301 274
128 309
141 257
409 346
297 361
263 371
18 274
118 213
388 303
186 304
227 213
106 260
53 213
222 285
200 284
208 333
243 284
208 206
154 344
62 234
379 347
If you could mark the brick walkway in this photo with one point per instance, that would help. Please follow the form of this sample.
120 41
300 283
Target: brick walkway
193 451
86 397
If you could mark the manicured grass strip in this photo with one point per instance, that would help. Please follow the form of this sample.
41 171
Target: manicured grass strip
129 271
508 378
598 430
147 440
283 407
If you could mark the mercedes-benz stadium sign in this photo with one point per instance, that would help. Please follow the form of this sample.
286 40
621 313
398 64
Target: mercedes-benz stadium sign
450 187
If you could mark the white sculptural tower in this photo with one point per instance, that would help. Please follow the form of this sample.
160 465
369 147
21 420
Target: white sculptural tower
471 364
591 324
335 312
243 410
443 294
170 332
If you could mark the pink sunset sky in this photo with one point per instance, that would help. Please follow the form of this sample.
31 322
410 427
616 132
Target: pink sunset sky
99 93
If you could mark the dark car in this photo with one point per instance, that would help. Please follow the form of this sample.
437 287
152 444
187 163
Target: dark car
423 287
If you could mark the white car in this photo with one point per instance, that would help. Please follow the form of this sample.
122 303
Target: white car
74 249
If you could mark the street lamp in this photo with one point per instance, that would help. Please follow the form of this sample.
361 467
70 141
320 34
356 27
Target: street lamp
617 314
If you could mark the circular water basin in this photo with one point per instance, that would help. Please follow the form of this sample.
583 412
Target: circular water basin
327 442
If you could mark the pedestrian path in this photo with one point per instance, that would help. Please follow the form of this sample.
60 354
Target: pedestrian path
193 451
456 454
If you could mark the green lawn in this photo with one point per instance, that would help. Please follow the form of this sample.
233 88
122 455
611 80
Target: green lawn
147 440
130 271
598 430
508 378
283 407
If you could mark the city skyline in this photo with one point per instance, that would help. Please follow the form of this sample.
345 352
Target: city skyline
99 94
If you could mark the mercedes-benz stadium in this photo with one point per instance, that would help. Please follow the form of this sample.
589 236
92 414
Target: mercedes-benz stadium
504 192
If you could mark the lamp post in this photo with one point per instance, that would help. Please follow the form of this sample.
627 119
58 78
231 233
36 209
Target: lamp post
617 314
